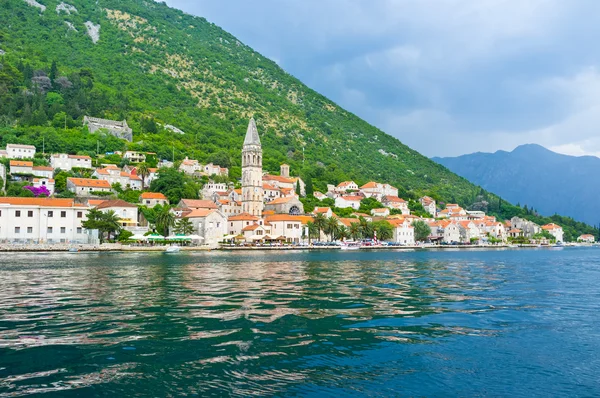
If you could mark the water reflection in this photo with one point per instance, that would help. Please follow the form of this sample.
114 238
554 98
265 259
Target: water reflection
248 324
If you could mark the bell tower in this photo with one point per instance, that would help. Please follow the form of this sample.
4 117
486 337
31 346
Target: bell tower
252 187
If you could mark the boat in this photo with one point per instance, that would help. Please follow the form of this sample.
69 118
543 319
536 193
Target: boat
350 245
173 249
73 250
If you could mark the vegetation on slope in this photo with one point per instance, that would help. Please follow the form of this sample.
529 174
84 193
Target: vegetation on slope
155 66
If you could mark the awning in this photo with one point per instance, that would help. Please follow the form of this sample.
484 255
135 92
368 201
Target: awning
178 237
155 237
138 237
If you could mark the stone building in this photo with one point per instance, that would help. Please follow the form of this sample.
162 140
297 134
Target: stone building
252 182
116 128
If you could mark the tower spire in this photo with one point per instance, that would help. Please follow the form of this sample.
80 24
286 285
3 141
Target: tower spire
252 137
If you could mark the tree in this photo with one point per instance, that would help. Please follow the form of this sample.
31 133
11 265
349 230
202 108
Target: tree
298 188
111 222
422 230
366 228
175 185
384 229
320 222
313 231
165 219
143 171
354 231
184 226
332 228
108 222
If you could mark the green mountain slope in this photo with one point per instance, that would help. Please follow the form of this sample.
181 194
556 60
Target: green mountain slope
156 66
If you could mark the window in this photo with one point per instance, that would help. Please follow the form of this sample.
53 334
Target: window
63 230
79 214
0 213
63 214
30 213
49 230
79 230
289 226
232 224
17 213
29 230
17 230
50 213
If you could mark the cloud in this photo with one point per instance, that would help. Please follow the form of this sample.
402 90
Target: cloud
446 77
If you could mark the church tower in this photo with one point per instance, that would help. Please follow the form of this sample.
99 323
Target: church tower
252 188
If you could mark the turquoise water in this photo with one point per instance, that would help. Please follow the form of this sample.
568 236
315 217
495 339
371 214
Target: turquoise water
483 323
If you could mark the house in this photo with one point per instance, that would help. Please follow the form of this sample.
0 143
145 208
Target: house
384 212
212 169
3 153
114 175
586 238
42 220
127 212
43 171
135 156
229 207
190 166
291 227
528 228
348 201
210 224
446 231
193 204
257 232
236 223
211 187
345 186
404 232
286 184
151 199
87 186
394 202
21 167
515 233
326 211
554 230
318 195
468 231
44 182
18 151
429 205
287 205
271 192
372 189
67 162
115 128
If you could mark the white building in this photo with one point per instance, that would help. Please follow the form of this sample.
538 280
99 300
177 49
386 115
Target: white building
236 223
127 212
586 238
554 230
20 167
287 226
43 220
429 205
86 186
67 162
151 199
348 201
468 231
18 151
113 175
43 171
404 232
394 202
135 156
345 186
211 225
44 182
211 187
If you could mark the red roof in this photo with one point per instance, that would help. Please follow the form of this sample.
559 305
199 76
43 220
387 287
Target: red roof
21 163
44 202
89 182
243 217
153 195
198 204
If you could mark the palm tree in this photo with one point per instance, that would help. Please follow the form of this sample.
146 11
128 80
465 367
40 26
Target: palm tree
354 231
320 222
184 226
332 227
111 222
342 232
366 228
165 219
384 230
143 171
312 230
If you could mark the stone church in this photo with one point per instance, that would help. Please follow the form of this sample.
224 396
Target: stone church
252 180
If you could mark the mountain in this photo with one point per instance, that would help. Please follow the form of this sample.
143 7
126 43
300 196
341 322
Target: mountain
537 177
188 88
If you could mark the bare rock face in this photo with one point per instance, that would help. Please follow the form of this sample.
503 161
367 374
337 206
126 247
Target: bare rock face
66 8
93 31
71 26
34 3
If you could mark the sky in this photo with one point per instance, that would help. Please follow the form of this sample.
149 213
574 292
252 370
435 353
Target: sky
446 77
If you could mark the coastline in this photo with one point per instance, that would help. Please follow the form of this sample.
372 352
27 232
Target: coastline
115 247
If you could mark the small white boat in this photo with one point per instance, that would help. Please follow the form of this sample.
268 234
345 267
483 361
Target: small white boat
173 249
350 245
73 250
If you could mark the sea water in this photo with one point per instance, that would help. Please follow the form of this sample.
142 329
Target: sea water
514 323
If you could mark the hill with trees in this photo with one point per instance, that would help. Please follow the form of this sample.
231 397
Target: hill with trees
187 88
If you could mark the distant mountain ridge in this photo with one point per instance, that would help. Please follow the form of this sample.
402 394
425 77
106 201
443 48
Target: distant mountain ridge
537 177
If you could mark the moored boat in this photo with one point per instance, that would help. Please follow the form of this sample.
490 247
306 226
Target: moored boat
173 249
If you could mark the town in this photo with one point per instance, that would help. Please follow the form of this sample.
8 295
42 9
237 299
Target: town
264 209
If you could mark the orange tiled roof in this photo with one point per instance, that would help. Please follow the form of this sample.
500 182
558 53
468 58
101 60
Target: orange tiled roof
153 195
321 210
199 213
43 168
371 184
243 217
114 203
286 180
43 202
89 182
287 217
551 226
344 184
279 201
199 204
393 199
20 163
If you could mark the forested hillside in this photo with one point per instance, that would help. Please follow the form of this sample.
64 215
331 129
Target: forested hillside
155 66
